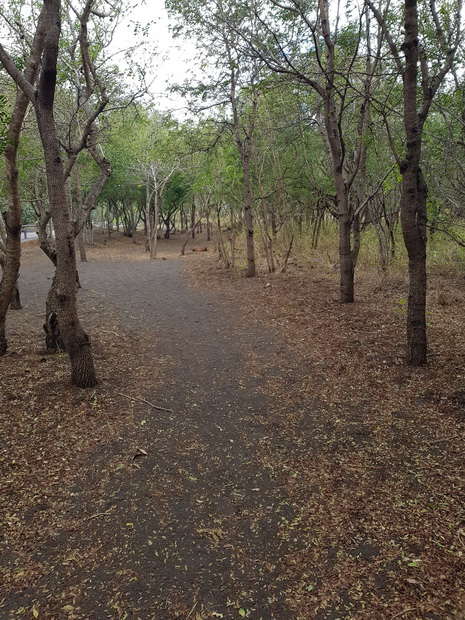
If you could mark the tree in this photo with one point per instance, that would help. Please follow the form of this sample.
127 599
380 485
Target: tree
234 84
176 190
74 338
12 245
307 45
432 49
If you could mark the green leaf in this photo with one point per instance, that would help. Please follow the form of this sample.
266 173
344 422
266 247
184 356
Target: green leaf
242 612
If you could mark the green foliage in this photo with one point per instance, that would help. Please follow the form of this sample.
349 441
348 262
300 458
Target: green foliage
291 171
29 215
176 191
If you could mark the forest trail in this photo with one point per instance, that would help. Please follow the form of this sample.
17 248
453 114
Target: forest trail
204 511
254 449
187 523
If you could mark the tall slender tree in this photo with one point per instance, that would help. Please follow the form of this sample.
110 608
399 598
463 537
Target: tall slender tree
423 60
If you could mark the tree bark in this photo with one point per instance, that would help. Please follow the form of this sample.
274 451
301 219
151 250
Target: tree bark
346 263
337 154
75 340
248 217
413 201
82 247
13 217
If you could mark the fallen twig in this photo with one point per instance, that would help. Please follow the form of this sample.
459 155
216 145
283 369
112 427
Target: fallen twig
192 610
401 613
443 439
142 400
99 514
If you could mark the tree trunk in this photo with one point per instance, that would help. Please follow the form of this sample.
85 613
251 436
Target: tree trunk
133 226
346 259
193 217
82 247
75 340
149 224
209 233
15 303
79 208
53 340
13 217
413 219
10 269
188 236
248 217
346 262
154 235
413 201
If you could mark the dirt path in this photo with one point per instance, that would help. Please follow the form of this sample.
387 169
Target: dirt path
254 449
204 513
189 526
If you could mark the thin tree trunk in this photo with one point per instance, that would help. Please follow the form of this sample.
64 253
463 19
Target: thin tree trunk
193 217
346 270
148 221
13 217
209 232
248 217
82 247
413 218
154 235
188 236
413 201
79 206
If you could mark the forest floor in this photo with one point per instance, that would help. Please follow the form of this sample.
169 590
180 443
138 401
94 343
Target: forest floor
254 448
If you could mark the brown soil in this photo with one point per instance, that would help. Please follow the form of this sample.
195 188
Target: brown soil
254 449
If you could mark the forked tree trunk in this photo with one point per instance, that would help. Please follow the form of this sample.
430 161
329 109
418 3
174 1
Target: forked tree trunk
344 214
75 340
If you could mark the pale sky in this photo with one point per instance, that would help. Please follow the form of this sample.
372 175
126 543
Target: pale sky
174 61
